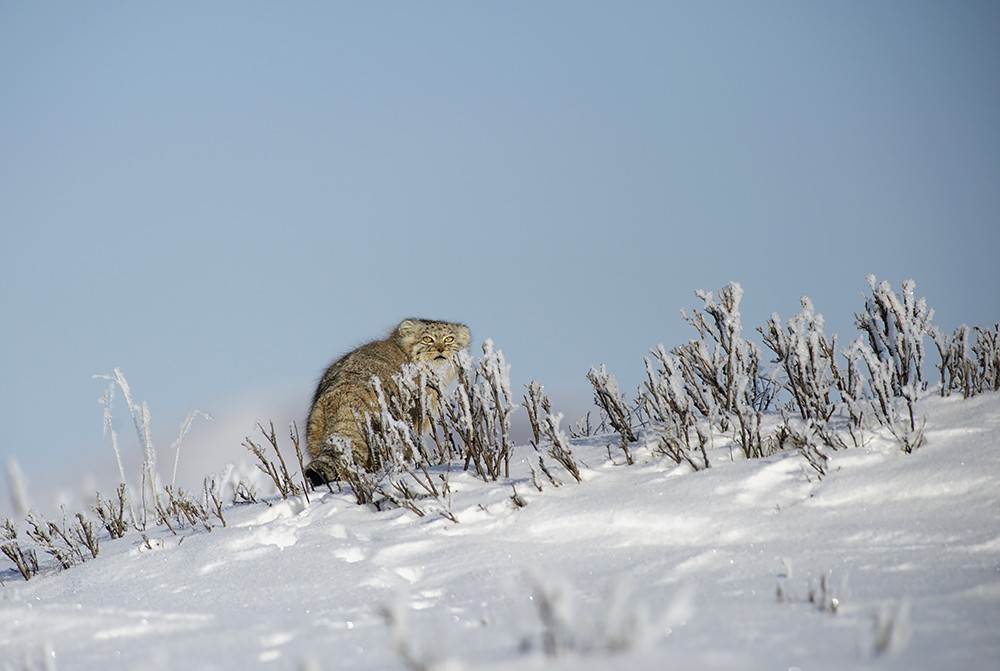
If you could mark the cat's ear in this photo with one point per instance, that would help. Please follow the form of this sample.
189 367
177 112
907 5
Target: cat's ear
463 335
407 327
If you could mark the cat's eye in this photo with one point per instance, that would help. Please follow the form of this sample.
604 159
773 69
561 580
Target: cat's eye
427 340
449 340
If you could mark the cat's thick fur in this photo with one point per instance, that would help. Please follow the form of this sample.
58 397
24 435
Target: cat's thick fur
345 392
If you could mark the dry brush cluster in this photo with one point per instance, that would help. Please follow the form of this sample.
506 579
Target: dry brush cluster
152 505
828 397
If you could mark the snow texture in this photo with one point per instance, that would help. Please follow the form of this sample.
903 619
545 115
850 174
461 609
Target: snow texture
892 561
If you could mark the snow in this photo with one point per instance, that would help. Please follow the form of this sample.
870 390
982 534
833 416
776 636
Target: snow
649 566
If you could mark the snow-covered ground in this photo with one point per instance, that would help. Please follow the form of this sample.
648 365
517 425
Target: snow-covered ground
647 566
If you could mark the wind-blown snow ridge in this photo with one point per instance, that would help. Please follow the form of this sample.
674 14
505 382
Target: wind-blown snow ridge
891 561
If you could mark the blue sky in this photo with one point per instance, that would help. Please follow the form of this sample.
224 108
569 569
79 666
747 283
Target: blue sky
220 198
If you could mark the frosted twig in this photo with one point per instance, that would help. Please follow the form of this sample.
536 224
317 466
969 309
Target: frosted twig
185 427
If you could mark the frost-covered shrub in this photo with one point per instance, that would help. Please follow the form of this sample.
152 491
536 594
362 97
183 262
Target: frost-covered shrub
850 385
804 356
481 410
112 514
722 369
393 433
26 561
213 498
474 421
559 445
888 406
891 353
714 380
277 472
721 359
956 366
535 404
987 351
673 412
545 427
809 371
363 483
405 475
970 360
609 399
894 356
895 327
810 441
65 542
179 509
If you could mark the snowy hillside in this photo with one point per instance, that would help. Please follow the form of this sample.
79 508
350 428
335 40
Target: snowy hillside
891 561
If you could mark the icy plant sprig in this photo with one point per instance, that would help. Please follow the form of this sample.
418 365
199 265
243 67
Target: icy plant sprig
478 413
609 399
277 472
25 560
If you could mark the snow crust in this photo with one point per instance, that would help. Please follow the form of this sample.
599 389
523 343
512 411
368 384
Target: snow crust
891 561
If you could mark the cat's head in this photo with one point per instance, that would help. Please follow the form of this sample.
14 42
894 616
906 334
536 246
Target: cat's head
432 342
